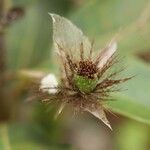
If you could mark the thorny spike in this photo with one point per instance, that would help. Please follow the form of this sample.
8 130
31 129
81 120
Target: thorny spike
64 69
61 107
67 57
70 63
67 74
81 51
70 53
115 73
91 50
108 83
112 61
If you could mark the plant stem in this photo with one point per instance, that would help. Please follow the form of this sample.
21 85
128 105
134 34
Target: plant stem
3 104
5 137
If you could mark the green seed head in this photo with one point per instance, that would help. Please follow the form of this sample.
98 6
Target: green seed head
85 84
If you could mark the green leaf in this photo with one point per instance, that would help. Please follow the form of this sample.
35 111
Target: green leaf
129 135
29 39
25 136
16 140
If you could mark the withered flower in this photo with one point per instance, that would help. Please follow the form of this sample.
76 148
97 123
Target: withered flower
85 82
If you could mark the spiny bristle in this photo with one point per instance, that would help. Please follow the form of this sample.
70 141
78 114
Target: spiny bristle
106 83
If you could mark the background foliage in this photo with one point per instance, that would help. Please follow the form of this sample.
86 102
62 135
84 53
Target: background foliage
28 44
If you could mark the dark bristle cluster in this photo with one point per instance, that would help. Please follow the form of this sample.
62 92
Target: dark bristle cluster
87 68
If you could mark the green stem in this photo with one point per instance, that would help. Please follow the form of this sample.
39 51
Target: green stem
5 137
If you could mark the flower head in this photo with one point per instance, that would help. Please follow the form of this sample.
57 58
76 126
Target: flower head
84 82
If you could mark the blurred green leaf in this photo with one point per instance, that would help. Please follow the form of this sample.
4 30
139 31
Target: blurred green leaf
29 40
102 19
132 135
23 136
18 140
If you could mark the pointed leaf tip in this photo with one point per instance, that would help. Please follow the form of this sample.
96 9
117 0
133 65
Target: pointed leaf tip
100 114
68 35
107 53
113 46
52 16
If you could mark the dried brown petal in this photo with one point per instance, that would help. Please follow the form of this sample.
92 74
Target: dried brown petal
100 114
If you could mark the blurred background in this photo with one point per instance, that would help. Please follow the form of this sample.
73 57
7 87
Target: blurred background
26 55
